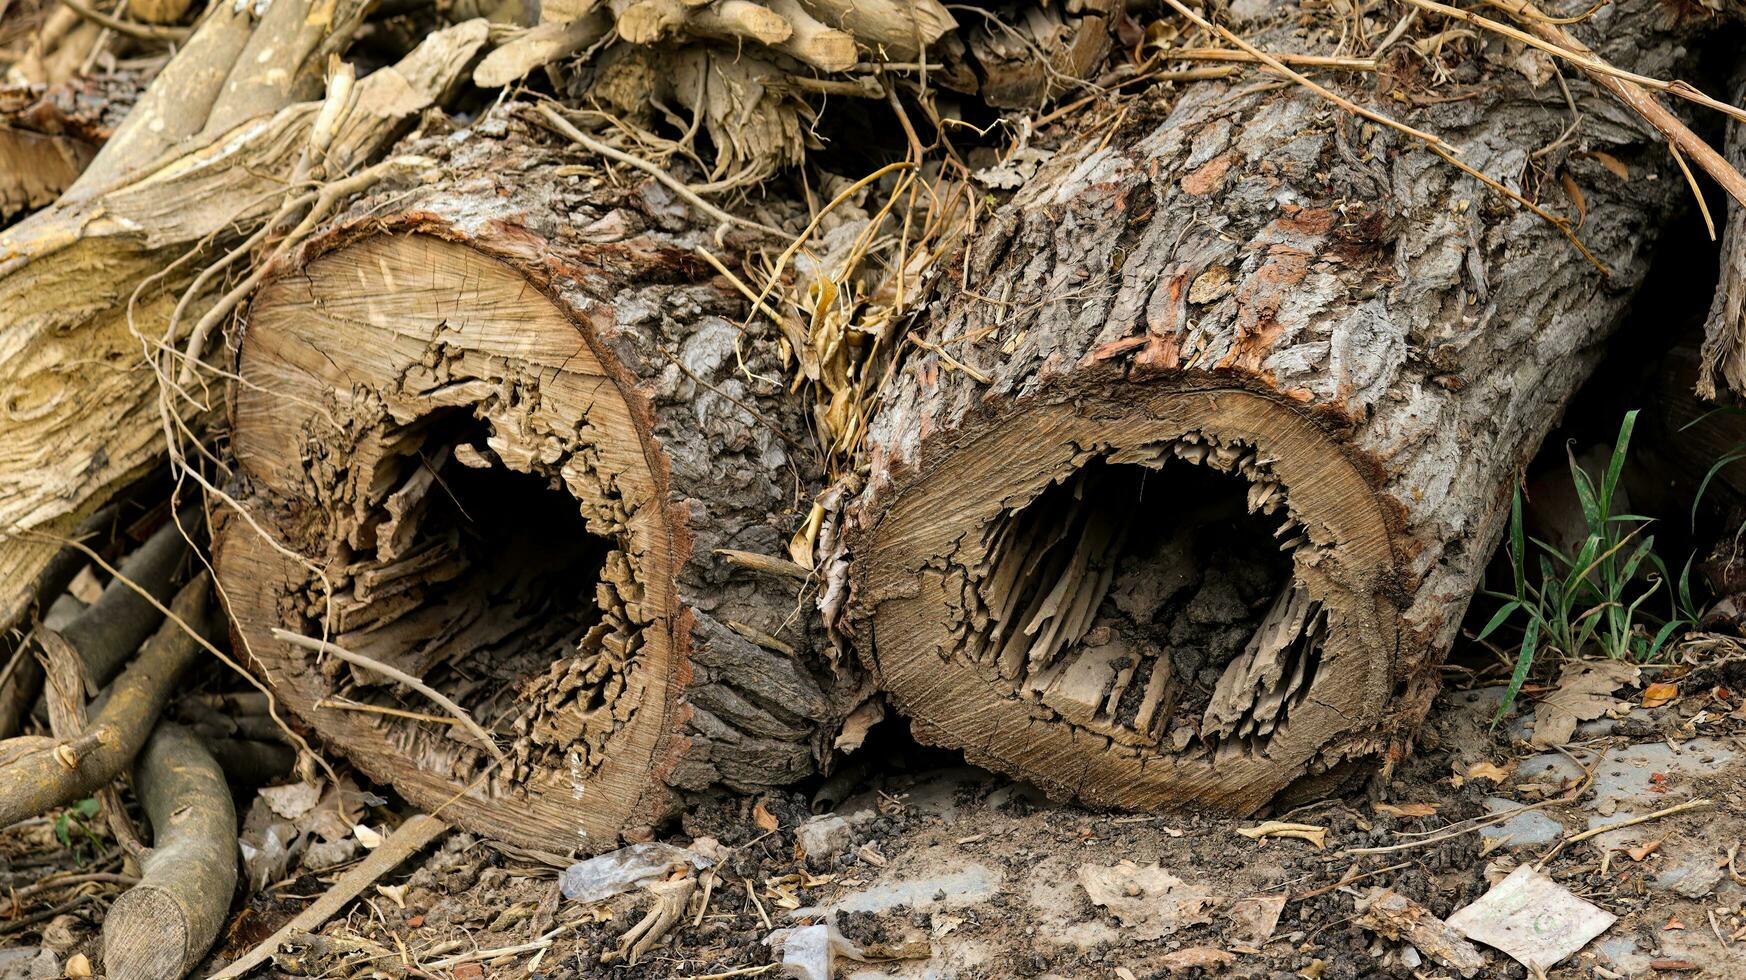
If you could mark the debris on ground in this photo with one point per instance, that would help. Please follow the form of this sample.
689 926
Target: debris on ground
1537 921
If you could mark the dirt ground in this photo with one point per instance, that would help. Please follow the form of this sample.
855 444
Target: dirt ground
932 871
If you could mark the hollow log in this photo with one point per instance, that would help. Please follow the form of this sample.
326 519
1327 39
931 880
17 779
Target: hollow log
504 424
1219 424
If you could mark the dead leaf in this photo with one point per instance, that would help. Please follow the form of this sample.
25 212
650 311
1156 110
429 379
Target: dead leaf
78 966
1673 925
1642 851
369 838
1612 163
1584 693
1316 836
1576 197
1251 921
1656 695
855 727
764 818
1408 809
291 801
1491 771
394 893
1150 902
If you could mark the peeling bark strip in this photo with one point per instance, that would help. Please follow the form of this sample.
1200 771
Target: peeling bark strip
1262 378
509 424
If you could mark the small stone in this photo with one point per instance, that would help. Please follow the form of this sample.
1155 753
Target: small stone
822 838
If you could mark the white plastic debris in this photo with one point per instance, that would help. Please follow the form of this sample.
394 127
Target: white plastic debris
807 952
1537 921
810 952
602 877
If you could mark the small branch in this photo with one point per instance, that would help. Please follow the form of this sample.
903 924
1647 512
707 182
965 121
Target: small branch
130 28
39 780
667 180
1677 808
408 839
1629 89
164 925
1301 60
395 673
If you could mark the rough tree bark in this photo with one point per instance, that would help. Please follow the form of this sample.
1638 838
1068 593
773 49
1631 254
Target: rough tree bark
199 164
1253 382
506 418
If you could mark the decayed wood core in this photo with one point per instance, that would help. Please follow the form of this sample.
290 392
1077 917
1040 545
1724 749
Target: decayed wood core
440 440
1152 602
1178 597
486 583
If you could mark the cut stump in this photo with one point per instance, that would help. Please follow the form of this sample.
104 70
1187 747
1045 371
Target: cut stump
506 428
1184 499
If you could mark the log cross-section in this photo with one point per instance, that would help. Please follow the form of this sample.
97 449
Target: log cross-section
506 432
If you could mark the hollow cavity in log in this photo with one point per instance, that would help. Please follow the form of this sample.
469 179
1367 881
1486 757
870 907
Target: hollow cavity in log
477 498
1171 594
1153 602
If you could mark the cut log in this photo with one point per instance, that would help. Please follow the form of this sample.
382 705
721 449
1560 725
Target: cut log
509 424
1248 390
160 928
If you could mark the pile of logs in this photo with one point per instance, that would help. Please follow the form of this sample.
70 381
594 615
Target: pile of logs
1167 482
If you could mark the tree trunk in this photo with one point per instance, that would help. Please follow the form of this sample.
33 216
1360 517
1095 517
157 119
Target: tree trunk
506 422
1225 420
87 285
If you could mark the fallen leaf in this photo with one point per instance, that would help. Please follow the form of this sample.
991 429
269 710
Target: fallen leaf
1491 771
855 726
1149 902
1408 809
1642 851
369 838
1656 695
291 801
394 893
1584 693
765 820
1314 970
1576 197
1673 925
469 971
78 966
1612 163
1316 836
1251 921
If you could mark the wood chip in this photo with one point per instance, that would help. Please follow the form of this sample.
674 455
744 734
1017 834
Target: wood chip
1316 836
